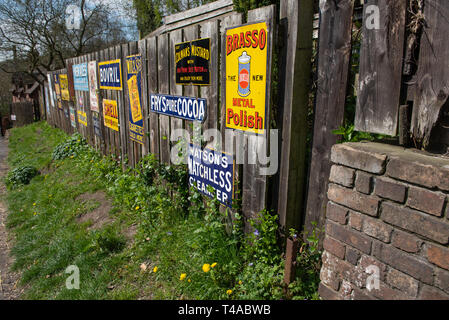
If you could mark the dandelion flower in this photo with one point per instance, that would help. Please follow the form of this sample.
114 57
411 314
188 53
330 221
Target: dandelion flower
155 269
34 204
34 213
182 276
240 282
228 292
206 267
137 207
213 265
189 280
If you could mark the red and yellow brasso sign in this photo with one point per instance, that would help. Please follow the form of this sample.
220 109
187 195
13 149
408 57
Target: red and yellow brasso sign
246 77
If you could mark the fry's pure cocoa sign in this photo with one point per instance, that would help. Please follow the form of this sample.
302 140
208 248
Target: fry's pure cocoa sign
246 77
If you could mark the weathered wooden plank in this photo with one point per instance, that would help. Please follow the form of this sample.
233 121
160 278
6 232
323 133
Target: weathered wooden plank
296 18
142 44
152 74
191 33
432 89
333 67
198 11
164 88
175 89
211 30
254 195
381 61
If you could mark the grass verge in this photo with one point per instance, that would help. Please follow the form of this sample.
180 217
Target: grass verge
160 240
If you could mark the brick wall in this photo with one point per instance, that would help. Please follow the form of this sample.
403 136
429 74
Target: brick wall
387 213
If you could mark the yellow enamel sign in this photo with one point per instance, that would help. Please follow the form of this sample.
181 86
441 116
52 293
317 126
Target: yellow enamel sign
110 114
246 77
64 83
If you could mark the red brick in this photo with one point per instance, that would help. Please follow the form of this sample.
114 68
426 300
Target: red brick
386 293
416 222
327 293
367 261
413 172
337 213
431 293
329 277
352 255
443 174
406 242
438 256
404 262
335 247
353 238
363 182
403 282
348 156
353 199
334 270
442 280
358 294
346 289
355 220
342 175
377 229
427 201
390 189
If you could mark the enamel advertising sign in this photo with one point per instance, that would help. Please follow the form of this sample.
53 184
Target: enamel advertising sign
82 117
134 82
187 108
192 62
64 86
246 77
80 79
93 86
72 117
110 114
110 74
211 173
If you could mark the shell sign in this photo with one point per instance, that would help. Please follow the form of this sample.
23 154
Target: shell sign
246 77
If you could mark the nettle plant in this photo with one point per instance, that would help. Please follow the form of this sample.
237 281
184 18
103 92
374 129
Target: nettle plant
20 176
72 147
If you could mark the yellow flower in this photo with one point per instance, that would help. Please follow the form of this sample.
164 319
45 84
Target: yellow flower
34 204
240 282
229 291
189 280
182 276
137 207
213 265
206 267
34 213
155 269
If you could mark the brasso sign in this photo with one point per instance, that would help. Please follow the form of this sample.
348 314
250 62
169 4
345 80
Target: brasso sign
187 108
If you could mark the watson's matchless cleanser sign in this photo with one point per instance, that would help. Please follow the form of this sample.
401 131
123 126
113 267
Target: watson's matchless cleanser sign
80 80
187 108
110 114
110 74
246 77
134 82
212 173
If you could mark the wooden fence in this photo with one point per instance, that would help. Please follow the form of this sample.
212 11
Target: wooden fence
256 191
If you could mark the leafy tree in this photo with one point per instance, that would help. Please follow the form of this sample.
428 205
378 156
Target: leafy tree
37 33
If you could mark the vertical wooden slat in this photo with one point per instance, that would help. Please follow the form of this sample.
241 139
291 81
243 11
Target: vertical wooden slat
175 89
254 190
381 61
164 87
153 123
432 89
333 67
142 44
296 18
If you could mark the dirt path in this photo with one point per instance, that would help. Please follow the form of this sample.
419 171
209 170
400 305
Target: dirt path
8 279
